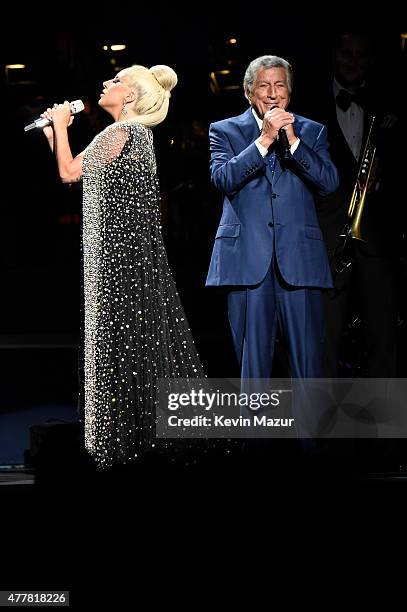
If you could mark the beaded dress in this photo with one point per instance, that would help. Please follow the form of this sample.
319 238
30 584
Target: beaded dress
135 330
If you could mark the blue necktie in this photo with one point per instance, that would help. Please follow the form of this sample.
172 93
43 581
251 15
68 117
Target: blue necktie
272 161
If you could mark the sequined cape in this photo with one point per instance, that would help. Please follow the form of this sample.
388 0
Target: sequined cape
135 330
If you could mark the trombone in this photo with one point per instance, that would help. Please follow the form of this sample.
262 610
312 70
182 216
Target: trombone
358 199
344 255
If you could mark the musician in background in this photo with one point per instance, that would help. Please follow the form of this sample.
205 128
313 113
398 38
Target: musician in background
369 286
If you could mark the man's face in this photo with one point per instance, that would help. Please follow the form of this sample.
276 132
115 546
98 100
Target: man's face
351 60
270 89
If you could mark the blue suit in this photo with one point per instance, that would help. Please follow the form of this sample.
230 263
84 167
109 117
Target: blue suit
269 244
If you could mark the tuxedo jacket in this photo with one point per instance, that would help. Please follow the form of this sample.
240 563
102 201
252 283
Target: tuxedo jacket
268 205
332 209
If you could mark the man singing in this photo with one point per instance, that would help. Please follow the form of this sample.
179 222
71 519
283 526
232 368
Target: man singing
269 248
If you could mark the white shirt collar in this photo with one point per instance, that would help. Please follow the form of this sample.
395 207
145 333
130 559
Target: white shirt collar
258 121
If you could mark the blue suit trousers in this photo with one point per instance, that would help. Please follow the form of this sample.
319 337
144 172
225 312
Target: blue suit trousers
258 312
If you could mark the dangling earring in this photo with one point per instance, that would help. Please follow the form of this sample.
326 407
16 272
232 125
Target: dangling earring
124 109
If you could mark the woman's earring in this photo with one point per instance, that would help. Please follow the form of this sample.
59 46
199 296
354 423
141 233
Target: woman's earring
124 109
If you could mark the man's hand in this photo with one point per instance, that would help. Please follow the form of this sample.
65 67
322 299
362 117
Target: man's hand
274 120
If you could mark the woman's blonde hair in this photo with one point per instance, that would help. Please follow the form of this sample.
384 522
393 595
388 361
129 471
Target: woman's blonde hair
153 86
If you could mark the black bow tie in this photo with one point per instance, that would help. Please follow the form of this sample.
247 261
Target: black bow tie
344 98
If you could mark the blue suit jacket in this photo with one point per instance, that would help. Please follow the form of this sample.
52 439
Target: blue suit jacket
259 207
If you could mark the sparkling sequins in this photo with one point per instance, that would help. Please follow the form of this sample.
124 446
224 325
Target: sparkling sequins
135 328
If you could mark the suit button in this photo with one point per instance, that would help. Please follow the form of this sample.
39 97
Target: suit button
271 224
273 195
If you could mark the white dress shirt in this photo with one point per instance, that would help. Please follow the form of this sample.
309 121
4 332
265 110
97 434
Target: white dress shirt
350 121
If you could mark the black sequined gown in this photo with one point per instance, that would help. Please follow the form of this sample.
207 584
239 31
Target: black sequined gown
135 330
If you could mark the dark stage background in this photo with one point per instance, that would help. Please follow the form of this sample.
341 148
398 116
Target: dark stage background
72 534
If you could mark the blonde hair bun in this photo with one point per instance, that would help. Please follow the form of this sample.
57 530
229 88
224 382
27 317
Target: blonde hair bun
165 75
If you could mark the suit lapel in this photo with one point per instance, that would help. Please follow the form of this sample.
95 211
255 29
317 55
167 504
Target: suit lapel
250 131
248 127
277 170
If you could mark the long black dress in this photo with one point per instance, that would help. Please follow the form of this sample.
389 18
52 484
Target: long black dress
135 328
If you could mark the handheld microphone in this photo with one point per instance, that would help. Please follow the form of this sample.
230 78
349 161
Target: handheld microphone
283 140
285 145
76 107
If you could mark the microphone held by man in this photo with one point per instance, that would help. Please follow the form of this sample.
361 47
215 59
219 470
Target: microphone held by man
275 122
283 140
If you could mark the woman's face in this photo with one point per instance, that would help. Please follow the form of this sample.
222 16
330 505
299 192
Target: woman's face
116 92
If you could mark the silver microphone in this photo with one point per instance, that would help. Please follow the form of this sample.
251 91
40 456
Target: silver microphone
76 107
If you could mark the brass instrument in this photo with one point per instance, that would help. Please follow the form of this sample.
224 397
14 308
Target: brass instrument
358 199
343 257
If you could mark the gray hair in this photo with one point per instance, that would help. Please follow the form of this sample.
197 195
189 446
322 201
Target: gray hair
264 62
